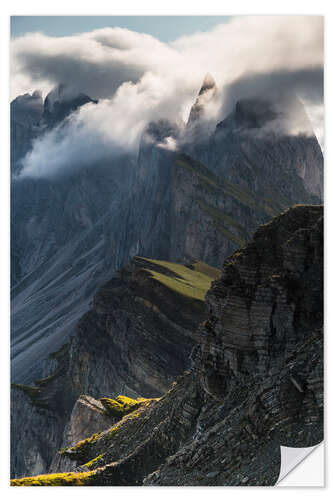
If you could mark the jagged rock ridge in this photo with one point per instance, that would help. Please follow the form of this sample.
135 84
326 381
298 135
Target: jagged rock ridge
206 94
61 102
256 380
135 340
72 233
31 117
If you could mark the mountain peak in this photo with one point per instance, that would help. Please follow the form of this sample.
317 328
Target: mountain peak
281 113
27 108
61 101
62 93
208 83
254 113
206 94
57 94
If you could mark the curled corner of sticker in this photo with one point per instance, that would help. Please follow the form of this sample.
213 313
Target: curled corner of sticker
292 457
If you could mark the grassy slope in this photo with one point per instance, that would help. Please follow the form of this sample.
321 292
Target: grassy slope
190 281
61 479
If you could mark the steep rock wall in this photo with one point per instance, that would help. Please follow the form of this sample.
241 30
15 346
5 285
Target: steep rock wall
256 380
135 340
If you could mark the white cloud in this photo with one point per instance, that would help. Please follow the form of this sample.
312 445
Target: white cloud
139 78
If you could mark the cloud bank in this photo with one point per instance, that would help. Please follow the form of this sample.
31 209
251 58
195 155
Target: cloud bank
137 78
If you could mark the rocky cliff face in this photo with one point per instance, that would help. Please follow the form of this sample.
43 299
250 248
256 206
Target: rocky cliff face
60 103
179 194
255 382
58 243
31 116
206 94
72 232
135 339
260 146
26 112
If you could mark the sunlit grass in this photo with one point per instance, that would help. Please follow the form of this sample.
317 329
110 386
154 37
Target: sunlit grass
190 281
60 479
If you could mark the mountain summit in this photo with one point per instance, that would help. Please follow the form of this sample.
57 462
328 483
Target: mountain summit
62 101
208 83
206 94
31 117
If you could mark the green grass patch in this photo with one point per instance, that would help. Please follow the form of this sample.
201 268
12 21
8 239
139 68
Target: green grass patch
81 448
124 409
191 281
122 405
60 479
94 461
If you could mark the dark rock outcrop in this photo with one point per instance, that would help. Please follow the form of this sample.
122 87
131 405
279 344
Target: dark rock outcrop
60 103
26 112
256 380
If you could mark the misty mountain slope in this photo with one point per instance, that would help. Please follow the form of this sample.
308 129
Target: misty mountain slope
31 117
255 381
26 112
135 339
47 213
61 102
41 321
72 231
250 168
187 211
59 244
261 144
147 205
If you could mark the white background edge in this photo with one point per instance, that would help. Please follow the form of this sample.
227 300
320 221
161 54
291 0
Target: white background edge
172 7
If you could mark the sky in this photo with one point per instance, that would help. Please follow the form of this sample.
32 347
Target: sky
165 28
142 69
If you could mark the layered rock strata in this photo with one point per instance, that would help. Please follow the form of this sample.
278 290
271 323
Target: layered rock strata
255 382
135 340
71 231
